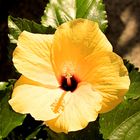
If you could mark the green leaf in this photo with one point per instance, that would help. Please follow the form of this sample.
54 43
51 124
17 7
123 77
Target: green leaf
134 89
60 11
109 122
8 118
134 75
130 67
34 133
3 86
17 25
128 130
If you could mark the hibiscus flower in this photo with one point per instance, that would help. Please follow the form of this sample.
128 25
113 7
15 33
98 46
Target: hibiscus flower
68 78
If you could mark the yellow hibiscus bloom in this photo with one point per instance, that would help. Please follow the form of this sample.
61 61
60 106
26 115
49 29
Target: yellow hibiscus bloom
68 78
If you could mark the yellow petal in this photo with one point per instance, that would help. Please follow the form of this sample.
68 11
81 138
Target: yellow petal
107 73
24 80
42 103
76 39
109 102
32 57
82 108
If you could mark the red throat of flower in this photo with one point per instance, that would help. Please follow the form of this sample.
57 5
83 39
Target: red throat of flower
69 83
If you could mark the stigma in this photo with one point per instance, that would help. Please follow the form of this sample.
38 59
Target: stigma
69 82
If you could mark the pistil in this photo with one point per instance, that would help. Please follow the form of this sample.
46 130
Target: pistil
69 83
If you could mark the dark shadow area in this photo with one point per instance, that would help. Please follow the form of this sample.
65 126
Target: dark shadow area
116 27
30 9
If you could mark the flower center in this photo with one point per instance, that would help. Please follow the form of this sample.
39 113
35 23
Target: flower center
68 83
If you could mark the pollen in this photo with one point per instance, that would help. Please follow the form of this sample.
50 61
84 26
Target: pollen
58 105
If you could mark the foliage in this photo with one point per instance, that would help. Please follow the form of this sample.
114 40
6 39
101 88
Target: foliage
8 118
60 11
17 25
114 119
122 117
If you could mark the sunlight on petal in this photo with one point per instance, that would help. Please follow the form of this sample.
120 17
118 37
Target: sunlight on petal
38 101
32 57
82 108
75 40
24 80
109 102
106 72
